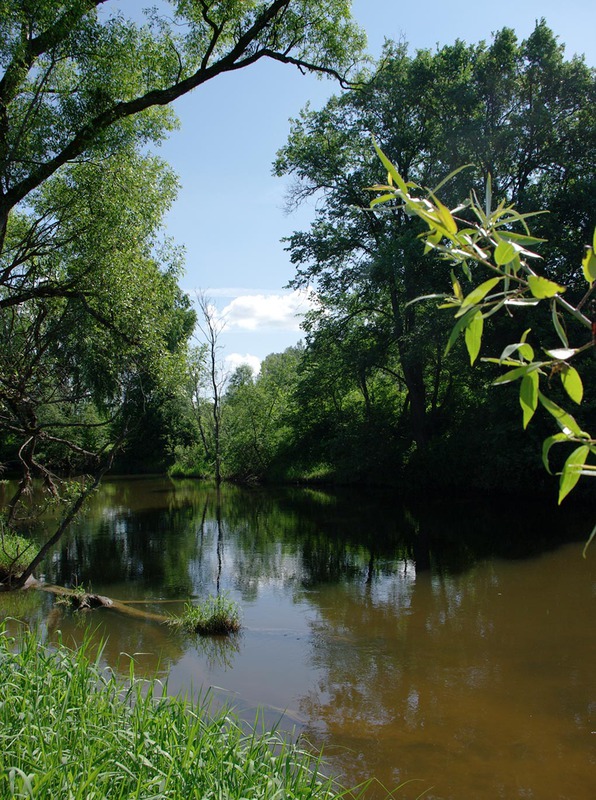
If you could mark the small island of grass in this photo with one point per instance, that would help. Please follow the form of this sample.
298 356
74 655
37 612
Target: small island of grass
215 616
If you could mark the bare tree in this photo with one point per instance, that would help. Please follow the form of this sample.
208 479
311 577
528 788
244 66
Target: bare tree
211 325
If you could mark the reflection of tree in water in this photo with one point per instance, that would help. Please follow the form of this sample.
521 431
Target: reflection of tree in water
153 647
142 534
164 538
409 663
31 606
378 681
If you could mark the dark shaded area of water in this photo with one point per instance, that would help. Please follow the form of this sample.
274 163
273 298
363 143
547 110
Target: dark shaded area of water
443 642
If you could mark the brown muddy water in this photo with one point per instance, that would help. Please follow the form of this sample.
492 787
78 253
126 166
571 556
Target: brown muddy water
447 649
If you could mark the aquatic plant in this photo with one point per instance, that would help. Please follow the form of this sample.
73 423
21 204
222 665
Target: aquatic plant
215 615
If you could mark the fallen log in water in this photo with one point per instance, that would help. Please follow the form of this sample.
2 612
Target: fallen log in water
86 600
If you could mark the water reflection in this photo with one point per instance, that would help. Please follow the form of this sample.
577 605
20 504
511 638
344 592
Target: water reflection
450 644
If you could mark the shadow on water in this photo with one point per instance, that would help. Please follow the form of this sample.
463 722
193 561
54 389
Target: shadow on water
447 641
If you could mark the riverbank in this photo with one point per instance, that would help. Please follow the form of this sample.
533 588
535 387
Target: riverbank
70 728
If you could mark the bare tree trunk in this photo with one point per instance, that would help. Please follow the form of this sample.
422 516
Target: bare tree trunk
211 327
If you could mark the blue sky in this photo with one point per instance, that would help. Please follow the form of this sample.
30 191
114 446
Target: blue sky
230 214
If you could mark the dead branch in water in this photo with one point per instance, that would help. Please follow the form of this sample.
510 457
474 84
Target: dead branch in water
87 600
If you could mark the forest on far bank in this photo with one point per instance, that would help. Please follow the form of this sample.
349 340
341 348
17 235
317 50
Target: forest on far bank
101 370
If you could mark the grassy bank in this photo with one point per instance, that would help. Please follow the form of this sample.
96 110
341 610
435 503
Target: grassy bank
71 729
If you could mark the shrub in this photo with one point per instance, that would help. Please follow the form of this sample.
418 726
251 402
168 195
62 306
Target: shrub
15 553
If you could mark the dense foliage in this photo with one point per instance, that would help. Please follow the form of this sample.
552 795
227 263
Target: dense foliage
375 395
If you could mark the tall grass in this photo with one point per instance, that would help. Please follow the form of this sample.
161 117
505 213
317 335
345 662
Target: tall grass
70 729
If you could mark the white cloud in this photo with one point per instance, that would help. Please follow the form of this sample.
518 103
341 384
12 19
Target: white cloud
234 360
251 312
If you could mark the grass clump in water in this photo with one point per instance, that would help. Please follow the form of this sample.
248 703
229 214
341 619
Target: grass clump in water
216 615
71 729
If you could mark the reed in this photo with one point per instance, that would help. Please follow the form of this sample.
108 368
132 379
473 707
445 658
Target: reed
69 728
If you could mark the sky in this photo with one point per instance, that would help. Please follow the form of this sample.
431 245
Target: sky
230 213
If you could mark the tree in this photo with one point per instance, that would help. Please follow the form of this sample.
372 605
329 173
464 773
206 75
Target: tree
259 416
94 322
516 111
209 379
78 370
78 82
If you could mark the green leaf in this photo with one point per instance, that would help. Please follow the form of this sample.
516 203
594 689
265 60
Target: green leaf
449 177
525 350
461 323
564 420
589 266
382 199
505 362
446 218
473 335
432 297
542 287
557 324
520 238
401 184
431 240
547 444
478 294
528 396
505 252
514 374
572 470
572 383
456 287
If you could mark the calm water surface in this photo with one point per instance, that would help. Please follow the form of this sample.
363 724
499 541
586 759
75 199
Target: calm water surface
427 644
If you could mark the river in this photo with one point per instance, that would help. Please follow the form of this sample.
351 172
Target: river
447 647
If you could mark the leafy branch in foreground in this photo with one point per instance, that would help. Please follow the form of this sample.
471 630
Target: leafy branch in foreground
483 241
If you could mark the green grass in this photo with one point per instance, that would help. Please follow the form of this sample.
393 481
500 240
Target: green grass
70 729
216 615
16 552
317 473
